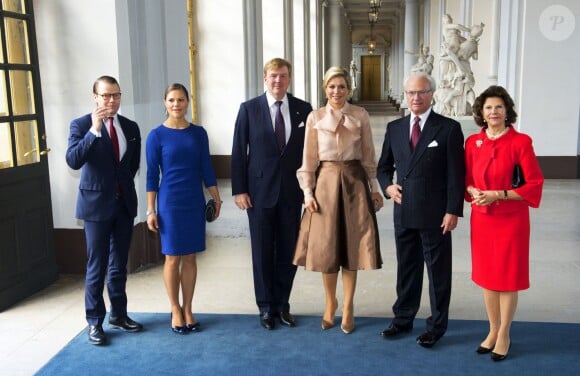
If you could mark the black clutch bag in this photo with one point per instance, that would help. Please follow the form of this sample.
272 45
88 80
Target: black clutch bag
210 210
518 177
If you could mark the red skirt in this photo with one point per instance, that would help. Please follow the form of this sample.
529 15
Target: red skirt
500 250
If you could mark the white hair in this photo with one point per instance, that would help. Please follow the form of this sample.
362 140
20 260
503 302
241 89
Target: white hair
428 77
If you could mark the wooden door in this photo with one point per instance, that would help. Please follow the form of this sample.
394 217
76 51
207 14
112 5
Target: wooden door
370 78
27 254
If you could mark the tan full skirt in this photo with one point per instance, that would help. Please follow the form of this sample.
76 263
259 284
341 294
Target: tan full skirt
344 232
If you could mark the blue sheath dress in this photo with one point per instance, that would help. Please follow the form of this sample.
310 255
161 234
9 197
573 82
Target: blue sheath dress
178 163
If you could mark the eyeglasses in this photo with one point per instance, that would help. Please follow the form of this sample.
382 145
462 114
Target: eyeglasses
107 97
420 92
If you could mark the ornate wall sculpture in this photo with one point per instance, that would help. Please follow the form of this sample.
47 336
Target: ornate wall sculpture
424 61
353 72
454 95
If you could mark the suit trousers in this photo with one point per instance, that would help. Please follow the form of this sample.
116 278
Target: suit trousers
415 248
273 233
107 254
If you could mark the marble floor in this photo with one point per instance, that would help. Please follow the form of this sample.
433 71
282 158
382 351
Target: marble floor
34 330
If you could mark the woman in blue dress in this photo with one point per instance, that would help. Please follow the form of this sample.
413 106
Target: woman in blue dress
178 162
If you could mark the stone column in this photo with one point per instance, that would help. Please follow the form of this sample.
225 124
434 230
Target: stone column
494 48
399 70
411 34
395 62
253 47
386 63
333 34
289 32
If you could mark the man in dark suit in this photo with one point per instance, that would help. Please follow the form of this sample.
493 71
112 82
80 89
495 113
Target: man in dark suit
107 203
428 199
264 164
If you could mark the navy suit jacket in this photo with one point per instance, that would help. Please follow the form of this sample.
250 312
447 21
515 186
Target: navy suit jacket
100 171
432 177
258 168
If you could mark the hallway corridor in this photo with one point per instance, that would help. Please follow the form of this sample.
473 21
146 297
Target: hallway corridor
35 329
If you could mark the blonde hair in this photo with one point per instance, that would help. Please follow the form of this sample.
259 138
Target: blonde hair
277 63
333 72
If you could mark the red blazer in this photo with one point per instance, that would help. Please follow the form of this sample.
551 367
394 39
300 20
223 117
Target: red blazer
490 164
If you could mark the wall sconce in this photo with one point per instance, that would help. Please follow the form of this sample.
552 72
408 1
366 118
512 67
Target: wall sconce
375 5
373 17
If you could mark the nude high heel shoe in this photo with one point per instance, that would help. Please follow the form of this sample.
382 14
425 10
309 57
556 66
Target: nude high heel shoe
329 324
347 327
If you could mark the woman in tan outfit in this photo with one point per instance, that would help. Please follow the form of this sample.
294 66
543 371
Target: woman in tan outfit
341 195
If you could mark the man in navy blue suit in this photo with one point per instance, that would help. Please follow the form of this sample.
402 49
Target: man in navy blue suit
267 151
426 151
107 147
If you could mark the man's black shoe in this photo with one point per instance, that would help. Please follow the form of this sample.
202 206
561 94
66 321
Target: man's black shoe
97 335
428 339
394 330
287 319
267 321
125 324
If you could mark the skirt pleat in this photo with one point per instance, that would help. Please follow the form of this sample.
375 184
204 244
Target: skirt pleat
344 232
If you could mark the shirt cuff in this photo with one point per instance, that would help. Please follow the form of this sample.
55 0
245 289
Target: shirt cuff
308 195
375 187
97 134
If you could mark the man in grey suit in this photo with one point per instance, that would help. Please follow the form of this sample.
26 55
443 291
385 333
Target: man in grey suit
267 151
426 151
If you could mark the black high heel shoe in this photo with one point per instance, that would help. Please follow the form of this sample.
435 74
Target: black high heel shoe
499 357
193 327
484 350
178 329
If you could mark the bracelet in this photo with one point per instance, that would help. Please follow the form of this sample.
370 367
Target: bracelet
505 194
149 212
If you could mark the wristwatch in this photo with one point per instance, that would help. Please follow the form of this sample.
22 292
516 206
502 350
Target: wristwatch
149 212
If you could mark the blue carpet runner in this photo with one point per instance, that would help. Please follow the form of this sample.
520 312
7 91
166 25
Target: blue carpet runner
237 345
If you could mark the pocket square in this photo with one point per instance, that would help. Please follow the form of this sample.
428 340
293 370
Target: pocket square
301 124
433 144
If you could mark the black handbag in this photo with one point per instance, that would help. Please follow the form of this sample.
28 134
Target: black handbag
210 209
518 177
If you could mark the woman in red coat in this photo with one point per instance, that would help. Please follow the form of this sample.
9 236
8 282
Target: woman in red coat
500 219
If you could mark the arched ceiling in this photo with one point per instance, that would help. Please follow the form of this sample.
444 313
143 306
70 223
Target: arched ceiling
357 12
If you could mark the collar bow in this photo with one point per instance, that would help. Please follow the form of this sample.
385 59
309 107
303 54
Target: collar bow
335 118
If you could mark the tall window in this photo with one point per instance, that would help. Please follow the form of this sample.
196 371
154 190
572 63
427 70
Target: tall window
19 143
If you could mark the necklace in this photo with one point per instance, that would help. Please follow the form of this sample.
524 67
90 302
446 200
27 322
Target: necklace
492 136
